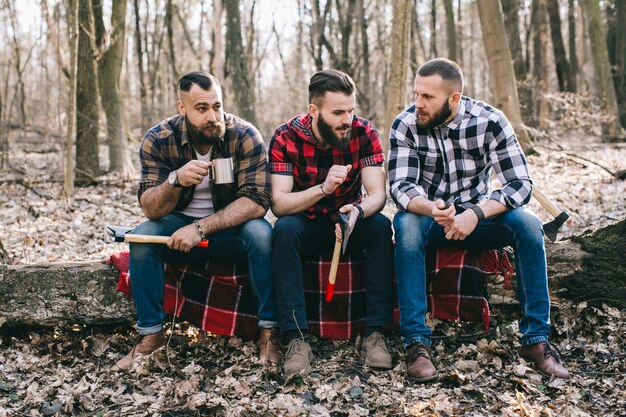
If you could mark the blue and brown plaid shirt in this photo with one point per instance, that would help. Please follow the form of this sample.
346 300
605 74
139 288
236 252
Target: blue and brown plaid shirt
166 147
295 151
453 162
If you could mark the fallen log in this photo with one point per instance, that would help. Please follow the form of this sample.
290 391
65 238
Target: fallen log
591 267
51 294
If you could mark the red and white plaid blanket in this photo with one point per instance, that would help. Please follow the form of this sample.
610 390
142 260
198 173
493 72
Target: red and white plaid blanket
216 297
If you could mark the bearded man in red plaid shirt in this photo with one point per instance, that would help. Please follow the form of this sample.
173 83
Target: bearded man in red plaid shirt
318 163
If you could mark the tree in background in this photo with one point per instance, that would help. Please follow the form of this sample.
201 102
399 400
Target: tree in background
399 64
562 64
604 78
111 55
236 68
72 22
501 66
87 161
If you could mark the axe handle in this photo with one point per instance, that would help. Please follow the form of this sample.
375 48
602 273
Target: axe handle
546 203
155 239
332 275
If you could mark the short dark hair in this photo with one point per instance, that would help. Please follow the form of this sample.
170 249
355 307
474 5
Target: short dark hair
202 79
329 80
446 69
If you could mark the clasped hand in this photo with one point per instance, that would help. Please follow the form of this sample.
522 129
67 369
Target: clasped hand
184 239
337 174
455 226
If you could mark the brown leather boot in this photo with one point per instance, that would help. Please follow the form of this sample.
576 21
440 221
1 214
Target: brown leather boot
269 347
545 358
375 352
146 344
419 364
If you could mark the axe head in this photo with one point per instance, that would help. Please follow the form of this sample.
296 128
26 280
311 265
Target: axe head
552 228
346 230
118 232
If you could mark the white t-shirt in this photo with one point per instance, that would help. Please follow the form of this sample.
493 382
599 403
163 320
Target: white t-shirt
202 203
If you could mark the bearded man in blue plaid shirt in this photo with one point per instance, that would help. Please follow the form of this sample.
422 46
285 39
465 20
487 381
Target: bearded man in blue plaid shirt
442 151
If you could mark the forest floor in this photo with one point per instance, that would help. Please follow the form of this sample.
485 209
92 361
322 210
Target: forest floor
65 371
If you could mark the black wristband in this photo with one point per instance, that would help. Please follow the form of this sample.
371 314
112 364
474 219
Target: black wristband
361 212
479 212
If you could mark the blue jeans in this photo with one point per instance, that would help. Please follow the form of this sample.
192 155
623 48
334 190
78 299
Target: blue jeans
297 235
249 242
518 227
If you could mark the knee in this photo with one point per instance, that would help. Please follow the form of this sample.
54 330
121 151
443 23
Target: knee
525 224
379 226
410 230
257 234
287 229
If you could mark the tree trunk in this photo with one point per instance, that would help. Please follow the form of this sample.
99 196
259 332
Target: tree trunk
433 29
450 30
87 161
49 294
541 68
604 79
510 8
620 60
143 96
217 53
53 38
501 66
169 17
345 11
597 273
236 66
397 86
17 56
573 56
111 58
562 65
70 160
588 268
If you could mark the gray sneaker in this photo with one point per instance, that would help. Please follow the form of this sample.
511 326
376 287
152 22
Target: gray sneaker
298 358
375 351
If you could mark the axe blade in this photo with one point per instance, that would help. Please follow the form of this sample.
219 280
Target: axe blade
346 230
551 229
118 232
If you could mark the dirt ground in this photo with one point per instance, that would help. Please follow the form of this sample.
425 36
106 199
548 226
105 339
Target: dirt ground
65 370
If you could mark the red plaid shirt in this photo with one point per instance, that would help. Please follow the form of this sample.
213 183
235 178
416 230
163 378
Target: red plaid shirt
295 151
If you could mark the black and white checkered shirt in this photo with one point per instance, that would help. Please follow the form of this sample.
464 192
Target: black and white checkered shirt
453 162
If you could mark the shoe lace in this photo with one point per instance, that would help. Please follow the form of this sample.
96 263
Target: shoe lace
294 348
415 351
377 340
550 350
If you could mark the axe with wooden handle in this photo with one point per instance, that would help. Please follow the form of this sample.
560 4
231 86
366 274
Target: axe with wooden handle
340 247
122 234
551 228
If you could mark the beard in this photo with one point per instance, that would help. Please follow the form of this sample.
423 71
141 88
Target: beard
207 134
329 134
437 119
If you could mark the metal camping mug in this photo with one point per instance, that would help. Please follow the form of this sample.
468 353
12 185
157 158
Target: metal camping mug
222 171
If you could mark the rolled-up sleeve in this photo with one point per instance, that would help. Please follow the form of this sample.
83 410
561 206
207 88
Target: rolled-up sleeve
253 177
509 164
154 169
404 166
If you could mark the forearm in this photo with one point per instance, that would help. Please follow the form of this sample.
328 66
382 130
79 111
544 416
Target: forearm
236 213
158 201
492 208
286 203
421 205
373 203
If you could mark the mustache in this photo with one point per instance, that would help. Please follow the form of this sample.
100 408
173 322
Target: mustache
343 127
211 125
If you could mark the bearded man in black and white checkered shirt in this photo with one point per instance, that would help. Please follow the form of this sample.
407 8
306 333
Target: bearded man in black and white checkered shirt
442 151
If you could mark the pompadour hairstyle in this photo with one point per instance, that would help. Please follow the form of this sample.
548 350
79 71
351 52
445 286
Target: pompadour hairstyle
329 80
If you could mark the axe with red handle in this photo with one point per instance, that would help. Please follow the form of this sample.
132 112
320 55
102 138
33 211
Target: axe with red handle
122 234
340 246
